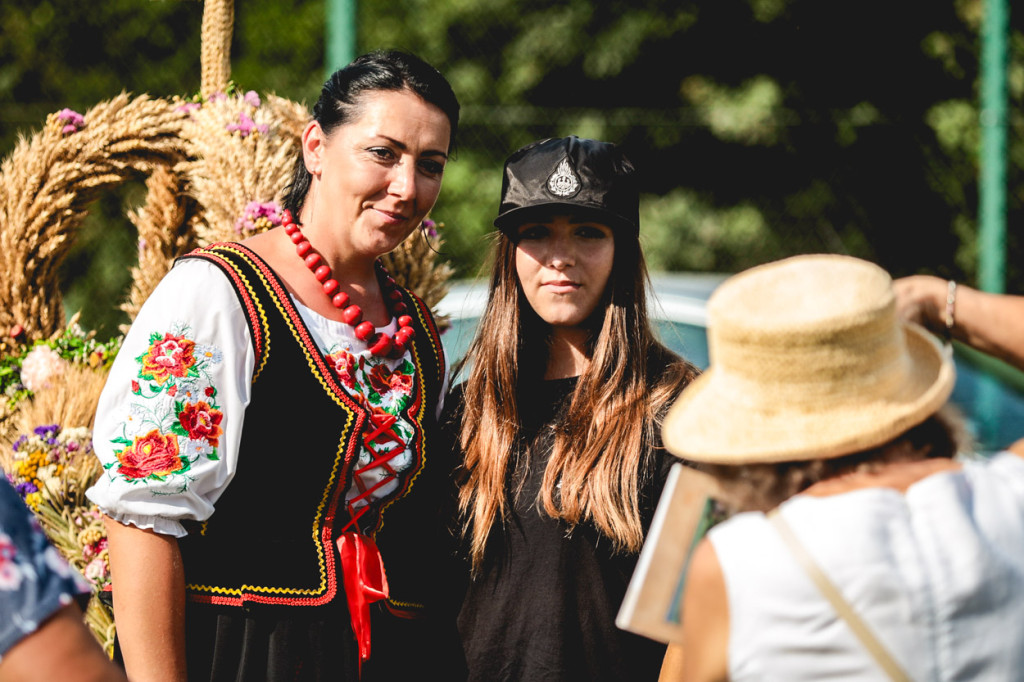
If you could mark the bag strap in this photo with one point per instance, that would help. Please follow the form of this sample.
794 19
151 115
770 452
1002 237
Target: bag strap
832 594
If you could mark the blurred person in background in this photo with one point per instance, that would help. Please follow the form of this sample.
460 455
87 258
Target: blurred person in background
558 423
42 636
272 401
861 547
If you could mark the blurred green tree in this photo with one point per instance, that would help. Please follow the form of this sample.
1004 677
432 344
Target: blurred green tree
761 128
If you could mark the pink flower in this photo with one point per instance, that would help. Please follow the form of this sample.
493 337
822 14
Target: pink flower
72 120
189 107
96 571
247 126
251 98
217 97
259 216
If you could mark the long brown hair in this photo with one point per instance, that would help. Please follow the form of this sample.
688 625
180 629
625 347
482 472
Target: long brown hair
593 474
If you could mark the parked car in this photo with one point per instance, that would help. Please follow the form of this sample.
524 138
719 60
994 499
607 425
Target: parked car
992 400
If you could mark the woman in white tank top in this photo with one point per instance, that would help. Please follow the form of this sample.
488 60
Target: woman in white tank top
882 555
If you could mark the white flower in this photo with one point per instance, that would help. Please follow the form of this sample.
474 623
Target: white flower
209 353
192 449
40 366
96 570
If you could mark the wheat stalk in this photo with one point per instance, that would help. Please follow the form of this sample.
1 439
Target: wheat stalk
227 170
165 232
215 57
46 185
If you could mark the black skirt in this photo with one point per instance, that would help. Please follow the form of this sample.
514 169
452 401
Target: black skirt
225 644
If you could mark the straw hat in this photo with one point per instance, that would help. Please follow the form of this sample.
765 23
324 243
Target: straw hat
808 360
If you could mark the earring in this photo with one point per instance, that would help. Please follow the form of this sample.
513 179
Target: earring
312 201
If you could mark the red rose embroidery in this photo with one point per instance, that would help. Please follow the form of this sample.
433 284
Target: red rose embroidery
151 455
378 418
171 356
202 421
384 380
344 365
380 377
401 383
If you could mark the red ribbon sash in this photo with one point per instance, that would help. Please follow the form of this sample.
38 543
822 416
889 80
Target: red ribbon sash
365 582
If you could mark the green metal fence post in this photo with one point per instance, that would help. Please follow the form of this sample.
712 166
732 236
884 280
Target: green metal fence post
992 183
340 35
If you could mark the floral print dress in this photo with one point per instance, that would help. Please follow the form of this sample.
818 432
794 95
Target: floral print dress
35 581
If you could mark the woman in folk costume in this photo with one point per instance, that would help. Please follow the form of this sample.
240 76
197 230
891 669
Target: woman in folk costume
558 423
271 414
862 549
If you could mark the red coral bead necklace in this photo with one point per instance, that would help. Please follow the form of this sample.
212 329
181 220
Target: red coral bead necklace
380 344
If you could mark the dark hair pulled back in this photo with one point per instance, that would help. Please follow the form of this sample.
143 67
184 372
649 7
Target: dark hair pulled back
341 96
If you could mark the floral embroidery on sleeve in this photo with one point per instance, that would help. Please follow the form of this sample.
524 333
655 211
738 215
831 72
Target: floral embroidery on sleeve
175 420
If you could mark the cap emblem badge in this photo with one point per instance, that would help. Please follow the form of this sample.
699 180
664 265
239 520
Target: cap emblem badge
563 182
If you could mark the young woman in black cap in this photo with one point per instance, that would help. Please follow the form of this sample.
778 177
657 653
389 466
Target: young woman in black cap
558 423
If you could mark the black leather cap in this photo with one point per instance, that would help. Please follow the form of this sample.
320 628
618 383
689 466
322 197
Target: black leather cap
589 179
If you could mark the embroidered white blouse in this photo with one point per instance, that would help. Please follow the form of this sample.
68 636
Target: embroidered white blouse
170 417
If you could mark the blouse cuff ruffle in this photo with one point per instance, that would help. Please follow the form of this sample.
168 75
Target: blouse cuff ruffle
158 524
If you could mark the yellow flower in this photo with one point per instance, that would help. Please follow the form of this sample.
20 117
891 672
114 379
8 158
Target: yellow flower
90 536
33 500
27 469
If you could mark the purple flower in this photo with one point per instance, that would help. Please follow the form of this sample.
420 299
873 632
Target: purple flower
47 431
72 121
21 441
26 488
251 98
430 226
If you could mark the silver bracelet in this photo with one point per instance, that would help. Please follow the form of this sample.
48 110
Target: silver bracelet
949 319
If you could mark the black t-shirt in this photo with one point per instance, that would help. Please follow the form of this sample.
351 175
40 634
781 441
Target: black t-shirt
543 606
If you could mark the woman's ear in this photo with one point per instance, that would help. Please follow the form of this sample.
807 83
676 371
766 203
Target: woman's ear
313 143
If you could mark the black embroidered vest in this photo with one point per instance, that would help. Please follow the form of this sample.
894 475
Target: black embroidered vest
271 539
